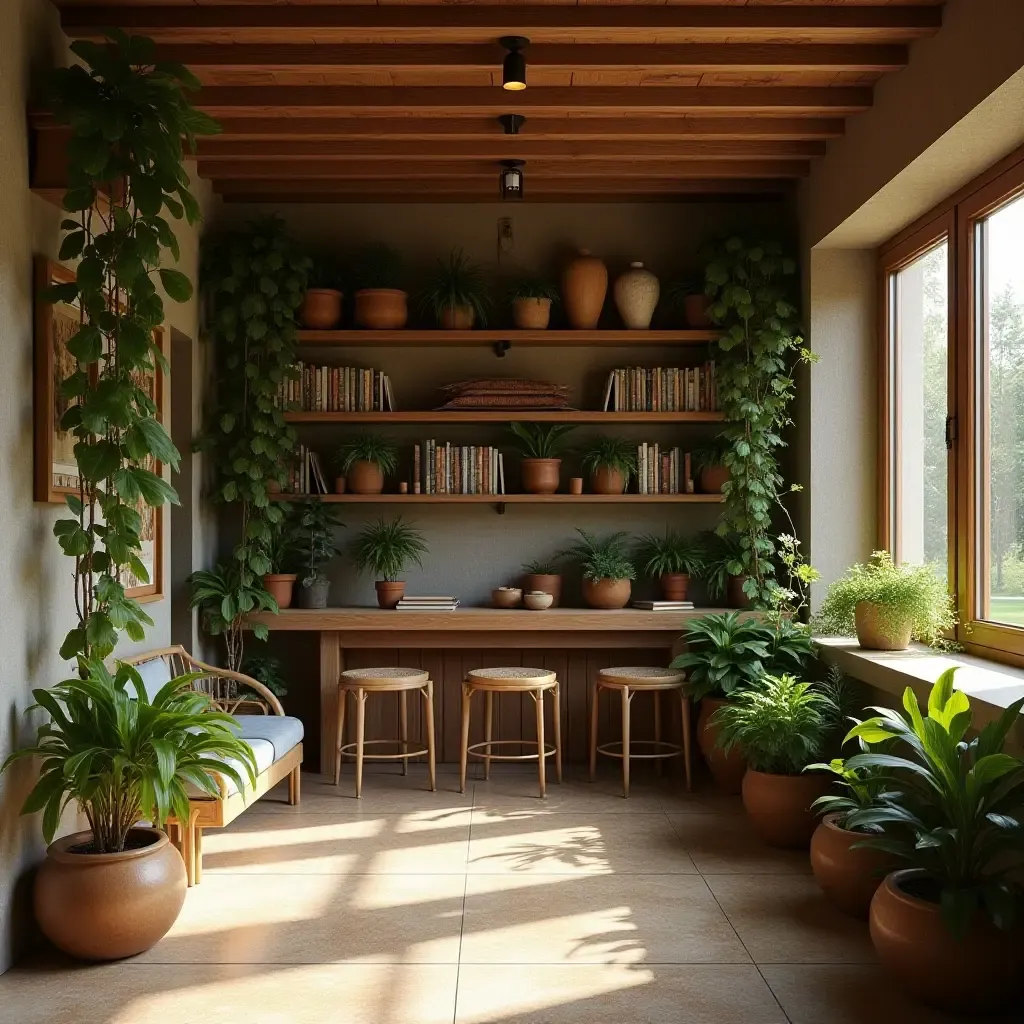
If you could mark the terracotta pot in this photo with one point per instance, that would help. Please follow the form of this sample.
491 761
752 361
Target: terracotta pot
872 634
531 314
605 480
849 876
364 477
382 309
321 309
104 906
696 309
675 586
575 485
712 478
607 593
339 485
584 286
977 973
389 592
734 593
541 476
636 297
315 595
457 318
548 583
727 768
506 597
281 587
779 806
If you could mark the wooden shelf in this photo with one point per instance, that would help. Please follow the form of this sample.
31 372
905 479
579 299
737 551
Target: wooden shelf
509 499
504 416
551 339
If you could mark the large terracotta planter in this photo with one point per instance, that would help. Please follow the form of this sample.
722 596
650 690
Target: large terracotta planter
605 480
584 286
978 972
712 479
848 874
541 476
364 477
636 297
389 592
607 593
735 594
281 587
871 634
727 767
695 307
321 309
675 586
531 314
382 309
457 318
104 906
548 583
779 806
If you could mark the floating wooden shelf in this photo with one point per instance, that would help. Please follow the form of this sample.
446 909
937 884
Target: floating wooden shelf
504 416
509 499
553 339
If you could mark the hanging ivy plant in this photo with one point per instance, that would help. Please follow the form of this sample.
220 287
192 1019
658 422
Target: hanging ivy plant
128 116
751 287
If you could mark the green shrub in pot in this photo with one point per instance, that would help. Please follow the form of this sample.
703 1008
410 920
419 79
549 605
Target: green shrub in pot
724 653
541 446
611 463
673 558
387 550
606 567
723 568
316 523
365 461
531 300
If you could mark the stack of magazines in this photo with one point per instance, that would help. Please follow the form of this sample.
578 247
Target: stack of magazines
429 604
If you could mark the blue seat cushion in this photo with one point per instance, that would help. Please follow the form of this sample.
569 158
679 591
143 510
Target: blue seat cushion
282 731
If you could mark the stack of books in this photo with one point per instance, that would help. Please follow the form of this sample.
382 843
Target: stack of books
663 472
663 606
336 389
429 604
662 389
307 474
443 468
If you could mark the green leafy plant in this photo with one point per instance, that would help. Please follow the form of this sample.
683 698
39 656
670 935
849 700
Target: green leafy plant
124 758
266 670
862 789
457 284
316 523
611 453
674 552
129 116
952 804
388 549
540 441
285 545
224 597
723 655
367 448
789 646
780 723
712 453
325 272
533 288
603 558
377 266
904 594
543 567
723 559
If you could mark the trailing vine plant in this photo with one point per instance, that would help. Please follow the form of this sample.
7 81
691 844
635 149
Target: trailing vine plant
129 116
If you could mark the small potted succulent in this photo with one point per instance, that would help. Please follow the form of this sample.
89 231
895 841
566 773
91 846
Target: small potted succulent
672 559
712 473
380 302
723 569
544 576
607 569
531 300
690 297
611 462
387 550
364 461
321 305
315 525
888 605
457 297
540 446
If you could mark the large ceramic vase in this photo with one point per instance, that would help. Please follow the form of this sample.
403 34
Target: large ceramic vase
584 286
606 480
321 309
875 633
381 309
531 314
847 872
105 906
541 476
779 806
281 587
364 477
636 297
976 973
607 594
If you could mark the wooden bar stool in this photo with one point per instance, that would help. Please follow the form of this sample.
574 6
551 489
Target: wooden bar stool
361 682
629 682
534 681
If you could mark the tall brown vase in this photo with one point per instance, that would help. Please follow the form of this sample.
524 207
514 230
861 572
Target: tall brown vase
584 286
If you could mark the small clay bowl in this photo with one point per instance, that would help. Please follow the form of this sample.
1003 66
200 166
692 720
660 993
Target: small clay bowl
538 601
506 597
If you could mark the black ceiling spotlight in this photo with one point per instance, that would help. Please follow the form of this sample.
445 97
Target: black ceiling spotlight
511 123
511 179
513 70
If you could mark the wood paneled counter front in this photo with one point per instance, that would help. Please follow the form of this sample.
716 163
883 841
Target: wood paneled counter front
574 642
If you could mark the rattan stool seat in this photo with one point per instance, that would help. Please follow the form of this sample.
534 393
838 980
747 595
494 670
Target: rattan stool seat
642 678
512 678
384 678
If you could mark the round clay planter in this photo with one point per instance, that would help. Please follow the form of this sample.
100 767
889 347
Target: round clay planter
636 297
727 767
605 480
364 477
607 594
315 595
735 594
584 286
548 583
696 309
979 972
321 309
712 479
848 875
281 587
389 592
506 597
531 314
104 906
675 586
457 318
779 806
871 633
382 309
541 476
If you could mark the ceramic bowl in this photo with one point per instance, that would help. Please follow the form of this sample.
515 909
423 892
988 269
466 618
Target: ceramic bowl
506 597
537 600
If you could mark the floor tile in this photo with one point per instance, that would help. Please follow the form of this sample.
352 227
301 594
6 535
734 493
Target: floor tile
725 844
785 919
706 798
573 795
616 994
532 918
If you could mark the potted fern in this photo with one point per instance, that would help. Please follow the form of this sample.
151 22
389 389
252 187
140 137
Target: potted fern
387 550
544 575
380 302
607 569
315 523
365 461
457 297
611 462
531 301
672 559
540 446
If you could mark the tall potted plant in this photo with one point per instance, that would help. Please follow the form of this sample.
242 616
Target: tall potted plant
607 569
316 524
365 461
672 559
540 446
124 756
225 597
380 302
611 462
457 297
387 550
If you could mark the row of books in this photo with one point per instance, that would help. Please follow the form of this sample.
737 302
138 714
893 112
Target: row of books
307 474
663 470
662 389
336 389
444 468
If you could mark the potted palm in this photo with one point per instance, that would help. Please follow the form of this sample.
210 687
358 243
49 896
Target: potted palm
607 569
709 461
365 460
540 446
315 523
387 550
380 302
610 461
545 576
672 558
888 605
321 303
531 301
781 725
946 927
457 297
125 757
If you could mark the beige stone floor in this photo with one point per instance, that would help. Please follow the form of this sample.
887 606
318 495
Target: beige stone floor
417 908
